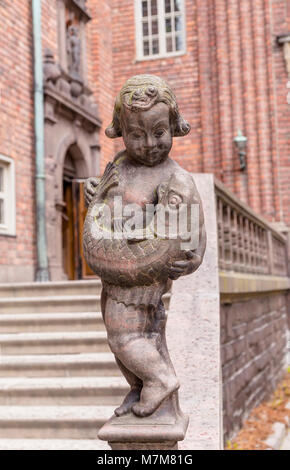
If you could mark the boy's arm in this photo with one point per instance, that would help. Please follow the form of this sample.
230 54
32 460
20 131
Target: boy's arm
92 183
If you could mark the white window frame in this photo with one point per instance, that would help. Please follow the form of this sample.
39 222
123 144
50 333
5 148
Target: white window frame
161 32
8 196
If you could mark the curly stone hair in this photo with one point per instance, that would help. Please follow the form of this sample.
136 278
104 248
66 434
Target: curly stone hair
140 93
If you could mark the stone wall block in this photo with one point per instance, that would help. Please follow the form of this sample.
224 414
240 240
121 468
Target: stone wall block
253 354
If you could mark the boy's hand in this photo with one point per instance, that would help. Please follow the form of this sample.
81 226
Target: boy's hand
90 189
180 268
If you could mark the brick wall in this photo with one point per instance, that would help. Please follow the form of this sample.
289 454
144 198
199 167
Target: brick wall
181 72
280 24
50 27
253 339
241 76
232 77
101 78
17 133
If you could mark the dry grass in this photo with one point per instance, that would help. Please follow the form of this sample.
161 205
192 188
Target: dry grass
259 425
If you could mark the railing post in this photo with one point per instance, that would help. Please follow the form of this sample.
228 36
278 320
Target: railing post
270 252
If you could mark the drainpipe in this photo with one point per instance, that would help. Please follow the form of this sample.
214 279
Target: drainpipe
42 273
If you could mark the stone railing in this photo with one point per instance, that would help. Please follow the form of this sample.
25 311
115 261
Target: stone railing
254 288
235 307
247 243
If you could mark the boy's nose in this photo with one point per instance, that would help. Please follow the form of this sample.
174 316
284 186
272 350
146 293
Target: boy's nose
150 141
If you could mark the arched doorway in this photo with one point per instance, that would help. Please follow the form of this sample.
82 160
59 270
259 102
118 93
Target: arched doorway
73 216
72 127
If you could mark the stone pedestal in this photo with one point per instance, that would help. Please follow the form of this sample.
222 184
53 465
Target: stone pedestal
144 445
160 431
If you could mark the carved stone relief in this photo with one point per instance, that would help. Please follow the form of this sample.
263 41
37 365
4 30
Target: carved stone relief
74 51
71 121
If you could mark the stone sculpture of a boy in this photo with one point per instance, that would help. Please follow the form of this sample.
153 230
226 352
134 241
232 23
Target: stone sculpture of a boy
146 116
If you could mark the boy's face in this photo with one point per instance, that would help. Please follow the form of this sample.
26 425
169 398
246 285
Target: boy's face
147 134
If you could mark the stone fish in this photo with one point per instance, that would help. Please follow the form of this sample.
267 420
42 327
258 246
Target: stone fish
140 260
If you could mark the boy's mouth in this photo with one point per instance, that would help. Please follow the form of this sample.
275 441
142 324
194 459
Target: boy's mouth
152 154
152 159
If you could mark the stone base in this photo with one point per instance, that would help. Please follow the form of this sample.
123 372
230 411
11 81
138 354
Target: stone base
162 430
144 445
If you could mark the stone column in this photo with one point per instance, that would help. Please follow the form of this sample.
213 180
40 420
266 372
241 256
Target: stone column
193 336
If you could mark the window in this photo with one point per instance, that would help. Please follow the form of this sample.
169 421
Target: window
7 196
160 28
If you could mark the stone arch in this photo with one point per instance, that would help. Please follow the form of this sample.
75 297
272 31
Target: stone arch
76 142
68 141
85 170
82 153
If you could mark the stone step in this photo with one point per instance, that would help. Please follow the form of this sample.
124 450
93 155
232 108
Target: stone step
53 343
63 391
59 365
56 422
59 303
65 321
45 289
53 444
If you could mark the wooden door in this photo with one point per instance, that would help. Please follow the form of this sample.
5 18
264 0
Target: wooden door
68 230
74 215
82 268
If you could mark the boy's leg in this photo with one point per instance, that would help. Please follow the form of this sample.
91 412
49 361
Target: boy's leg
134 394
137 349
135 383
160 320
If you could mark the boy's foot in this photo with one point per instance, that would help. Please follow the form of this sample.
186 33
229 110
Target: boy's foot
153 395
132 397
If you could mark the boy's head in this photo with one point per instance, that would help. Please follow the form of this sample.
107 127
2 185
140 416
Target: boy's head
146 116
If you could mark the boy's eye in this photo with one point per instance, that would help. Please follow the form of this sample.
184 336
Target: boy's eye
136 135
159 133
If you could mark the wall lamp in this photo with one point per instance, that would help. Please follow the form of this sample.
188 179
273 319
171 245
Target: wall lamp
284 41
241 144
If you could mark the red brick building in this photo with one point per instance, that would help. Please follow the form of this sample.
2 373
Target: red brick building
227 60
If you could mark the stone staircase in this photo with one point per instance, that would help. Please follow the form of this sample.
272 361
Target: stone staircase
58 379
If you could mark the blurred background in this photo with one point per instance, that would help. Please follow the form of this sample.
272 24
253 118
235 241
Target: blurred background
62 63
227 61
